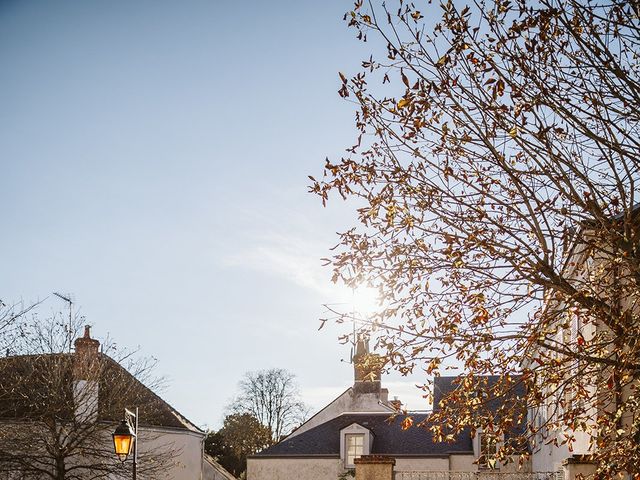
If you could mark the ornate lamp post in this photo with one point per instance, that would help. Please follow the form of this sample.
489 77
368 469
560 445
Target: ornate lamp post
125 437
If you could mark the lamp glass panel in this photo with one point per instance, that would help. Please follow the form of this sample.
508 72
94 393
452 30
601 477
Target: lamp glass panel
122 444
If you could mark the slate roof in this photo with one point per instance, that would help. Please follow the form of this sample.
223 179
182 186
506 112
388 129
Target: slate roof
443 386
388 438
33 387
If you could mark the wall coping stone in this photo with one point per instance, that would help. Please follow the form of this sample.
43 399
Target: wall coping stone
374 459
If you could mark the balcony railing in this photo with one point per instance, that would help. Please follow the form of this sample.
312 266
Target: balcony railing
478 476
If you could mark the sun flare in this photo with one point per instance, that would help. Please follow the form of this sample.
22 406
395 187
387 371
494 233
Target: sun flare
365 299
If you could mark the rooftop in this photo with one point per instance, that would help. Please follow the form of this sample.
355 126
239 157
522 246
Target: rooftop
389 438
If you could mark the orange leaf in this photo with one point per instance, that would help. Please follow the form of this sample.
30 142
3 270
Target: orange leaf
407 423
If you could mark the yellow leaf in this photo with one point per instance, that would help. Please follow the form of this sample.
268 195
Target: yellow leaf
513 132
403 103
407 423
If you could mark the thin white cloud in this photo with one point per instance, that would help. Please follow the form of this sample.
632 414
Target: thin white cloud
290 249
291 259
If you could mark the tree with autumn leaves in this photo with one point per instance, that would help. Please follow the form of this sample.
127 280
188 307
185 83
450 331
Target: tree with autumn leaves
496 165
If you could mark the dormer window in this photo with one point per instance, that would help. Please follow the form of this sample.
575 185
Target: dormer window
355 441
354 447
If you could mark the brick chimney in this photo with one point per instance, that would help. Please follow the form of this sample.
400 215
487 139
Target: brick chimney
367 368
86 354
85 377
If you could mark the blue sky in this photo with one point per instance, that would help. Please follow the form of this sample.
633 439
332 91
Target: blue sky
154 160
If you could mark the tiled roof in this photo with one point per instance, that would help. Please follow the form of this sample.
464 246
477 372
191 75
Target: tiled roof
388 438
32 386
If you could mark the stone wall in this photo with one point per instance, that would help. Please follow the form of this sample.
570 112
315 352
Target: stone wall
294 468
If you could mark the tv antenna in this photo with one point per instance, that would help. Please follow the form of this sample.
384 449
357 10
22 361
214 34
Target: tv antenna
67 298
354 340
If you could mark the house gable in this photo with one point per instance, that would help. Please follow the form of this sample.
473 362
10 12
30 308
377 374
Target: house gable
366 394
348 401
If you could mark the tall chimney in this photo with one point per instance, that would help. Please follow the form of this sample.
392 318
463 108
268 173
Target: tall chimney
85 377
367 368
86 354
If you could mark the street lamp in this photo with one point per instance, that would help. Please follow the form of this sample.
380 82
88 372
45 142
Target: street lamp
125 437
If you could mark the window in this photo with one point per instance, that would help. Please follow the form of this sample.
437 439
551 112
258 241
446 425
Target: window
488 449
354 447
355 441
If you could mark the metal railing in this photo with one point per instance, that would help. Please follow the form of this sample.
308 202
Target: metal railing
411 475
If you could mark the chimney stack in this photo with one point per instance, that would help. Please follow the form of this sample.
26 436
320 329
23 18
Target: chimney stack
367 368
86 354
86 373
